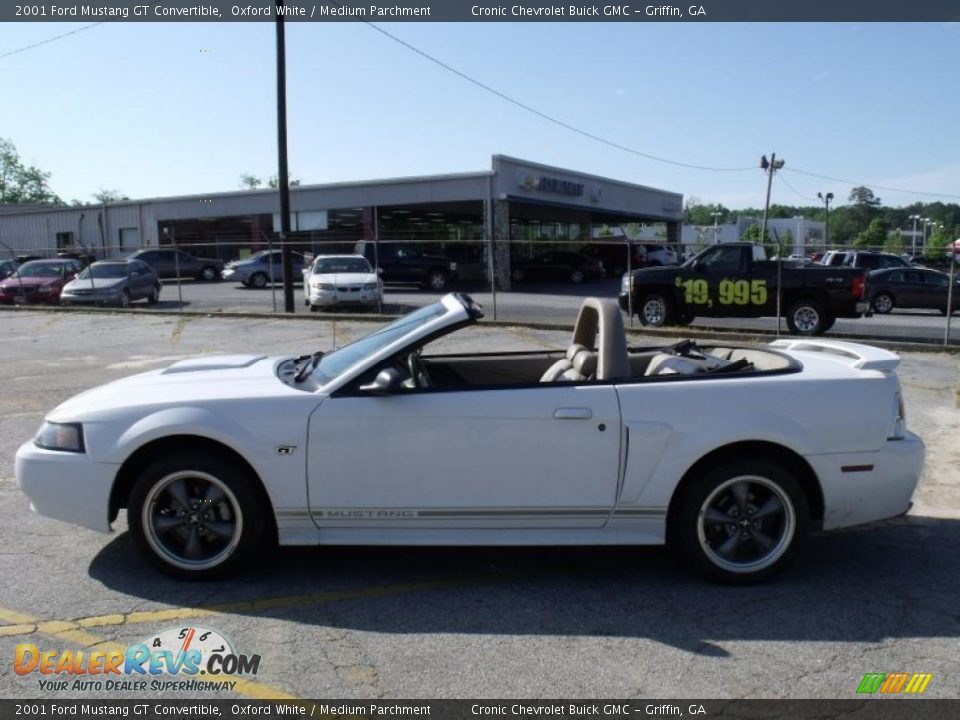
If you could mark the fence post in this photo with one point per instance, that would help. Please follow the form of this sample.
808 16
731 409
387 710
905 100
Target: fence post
176 264
953 266
630 280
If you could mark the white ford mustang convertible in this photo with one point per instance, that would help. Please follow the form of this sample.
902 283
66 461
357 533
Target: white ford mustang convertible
731 452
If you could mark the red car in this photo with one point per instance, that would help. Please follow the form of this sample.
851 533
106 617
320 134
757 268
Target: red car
38 281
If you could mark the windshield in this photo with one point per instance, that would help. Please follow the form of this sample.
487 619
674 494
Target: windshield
41 270
340 359
341 265
104 272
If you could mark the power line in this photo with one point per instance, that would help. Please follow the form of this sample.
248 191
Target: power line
48 40
872 185
796 192
545 116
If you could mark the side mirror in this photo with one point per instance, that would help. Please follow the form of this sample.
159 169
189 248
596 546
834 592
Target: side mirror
696 266
386 382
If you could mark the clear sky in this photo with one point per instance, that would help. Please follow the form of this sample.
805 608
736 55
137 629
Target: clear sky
175 108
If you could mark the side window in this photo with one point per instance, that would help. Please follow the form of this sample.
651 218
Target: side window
936 279
406 252
895 277
723 259
912 276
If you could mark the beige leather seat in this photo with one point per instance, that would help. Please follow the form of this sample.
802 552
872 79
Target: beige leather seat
599 324
555 371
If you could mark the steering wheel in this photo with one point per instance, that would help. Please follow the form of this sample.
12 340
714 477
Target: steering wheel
418 373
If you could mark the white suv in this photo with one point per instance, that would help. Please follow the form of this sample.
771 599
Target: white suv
658 254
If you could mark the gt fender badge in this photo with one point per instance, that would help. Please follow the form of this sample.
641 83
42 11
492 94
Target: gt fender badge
286 449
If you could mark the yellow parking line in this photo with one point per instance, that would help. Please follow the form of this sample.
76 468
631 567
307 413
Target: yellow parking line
242 607
74 631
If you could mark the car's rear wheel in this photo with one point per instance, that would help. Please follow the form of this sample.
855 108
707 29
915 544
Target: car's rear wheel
741 522
154 297
124 299
197 516
882 303
258 280
577 276
806 317
517 275
208 273
436 280
655 310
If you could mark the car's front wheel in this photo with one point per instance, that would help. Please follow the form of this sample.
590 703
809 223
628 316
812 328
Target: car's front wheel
655 310
436 280
154 297
258 280
197 516
741 522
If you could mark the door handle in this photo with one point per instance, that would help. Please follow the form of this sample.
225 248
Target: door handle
572 413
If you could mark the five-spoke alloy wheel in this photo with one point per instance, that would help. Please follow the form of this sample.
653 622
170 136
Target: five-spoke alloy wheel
741 522
197 516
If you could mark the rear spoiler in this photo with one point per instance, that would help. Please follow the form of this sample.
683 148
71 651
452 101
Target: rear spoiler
863 357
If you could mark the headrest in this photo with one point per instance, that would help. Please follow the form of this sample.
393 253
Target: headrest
573 350
585 363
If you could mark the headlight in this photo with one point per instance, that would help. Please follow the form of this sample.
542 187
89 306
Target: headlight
45 289
67 437
323 286
453 266
370 286
625 283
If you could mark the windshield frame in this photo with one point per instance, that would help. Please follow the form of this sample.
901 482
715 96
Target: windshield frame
450 313
368 268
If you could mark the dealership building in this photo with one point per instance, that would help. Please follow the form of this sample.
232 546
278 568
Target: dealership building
515 209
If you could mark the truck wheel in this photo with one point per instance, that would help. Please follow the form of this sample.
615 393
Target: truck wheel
806 317
741 522
655 310
684 319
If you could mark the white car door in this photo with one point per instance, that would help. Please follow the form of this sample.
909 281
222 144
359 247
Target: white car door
539 457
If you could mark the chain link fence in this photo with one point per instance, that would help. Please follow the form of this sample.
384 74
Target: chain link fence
538 281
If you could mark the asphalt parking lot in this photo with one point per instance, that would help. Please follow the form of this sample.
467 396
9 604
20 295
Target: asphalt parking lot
438 623
542 303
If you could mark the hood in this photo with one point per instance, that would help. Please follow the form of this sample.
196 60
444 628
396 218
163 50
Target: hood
95 284
194 381
31 281
344 278
656 274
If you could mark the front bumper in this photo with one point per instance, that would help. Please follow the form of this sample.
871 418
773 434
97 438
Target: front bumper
624 300
854 494
330 298
66 486
90 299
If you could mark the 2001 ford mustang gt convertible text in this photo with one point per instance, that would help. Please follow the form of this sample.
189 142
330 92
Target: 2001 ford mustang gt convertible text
731 452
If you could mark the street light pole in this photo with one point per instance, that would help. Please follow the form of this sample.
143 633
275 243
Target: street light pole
914 236
716 229
923 237
799 245
769 168
826 221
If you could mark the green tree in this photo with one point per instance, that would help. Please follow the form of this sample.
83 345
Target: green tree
863 206
108 196
250 182
935 248
20 183
875 236
894 243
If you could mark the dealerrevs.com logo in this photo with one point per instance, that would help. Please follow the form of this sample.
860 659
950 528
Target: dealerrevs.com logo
186 654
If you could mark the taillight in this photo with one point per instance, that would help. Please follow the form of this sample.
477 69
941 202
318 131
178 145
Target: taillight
858 284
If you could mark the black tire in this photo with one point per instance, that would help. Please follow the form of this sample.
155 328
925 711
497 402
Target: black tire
806 318
655 310
577 276
882 303
517 275
237 507
436 280
208 273
768 520
124 300
154 297
314 308
684 319
259 280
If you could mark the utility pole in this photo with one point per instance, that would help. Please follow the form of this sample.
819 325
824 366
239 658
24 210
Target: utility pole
283 182
826 222
770 168
716 228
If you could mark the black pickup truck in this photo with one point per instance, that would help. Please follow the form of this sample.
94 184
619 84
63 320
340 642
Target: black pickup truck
735 280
